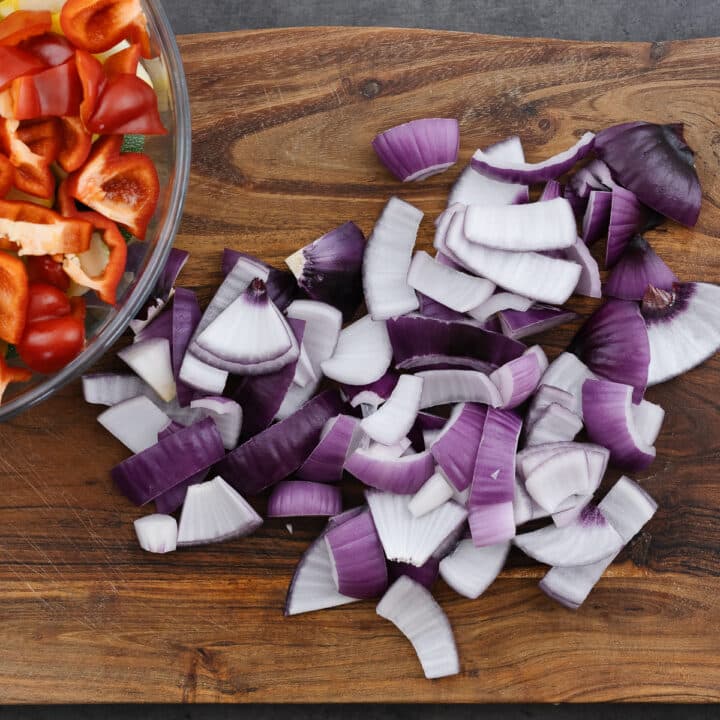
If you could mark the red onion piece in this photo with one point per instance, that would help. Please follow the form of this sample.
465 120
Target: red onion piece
425 575
281 285
151 360
470 570
539 318
517 380
325 463
443 387
135 422
597 216
393 420
157 533
300 498
404 475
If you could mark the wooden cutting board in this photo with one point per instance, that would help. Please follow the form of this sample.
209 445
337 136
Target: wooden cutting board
281 153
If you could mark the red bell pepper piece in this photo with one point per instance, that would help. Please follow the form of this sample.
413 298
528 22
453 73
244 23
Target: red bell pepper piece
53 92
124 62
92 81
13 297
43 268
15 63
36 230
98 25
23 24
9 374
126 104
64 202
43 137
51 49
105 284
75 144
122 187
32 171
7 178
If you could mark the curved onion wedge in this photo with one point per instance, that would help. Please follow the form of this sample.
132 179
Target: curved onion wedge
111 388
531 274
443 387
498 302
627 216
567 372
387 260
610 422
393 420
597 216
454 289
470 570
356 556
455 449
553 167
519 378
403 475
151 360
135 422
300 498
589 539
426 574
547 395
312 586
554 424
227 415
201 376
339 439
362 355
413 610
442 222
214 512
536 226
407 538
518 324
593 176
589 282
558 479
627 507
597 459
683 328
157 533
374 394
436 491
388 452
552 190
648 418
491 516
322 329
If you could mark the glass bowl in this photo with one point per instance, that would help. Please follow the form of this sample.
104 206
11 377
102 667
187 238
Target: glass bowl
171 155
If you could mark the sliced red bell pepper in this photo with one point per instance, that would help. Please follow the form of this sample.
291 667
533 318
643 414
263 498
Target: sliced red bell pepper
126 104
53 92
122 187
13 297
43 137
7 176
36 230
92 81
9 374
105 284
32 171
52 49
124 62
64 202
75 144
23 24
98 25
15 62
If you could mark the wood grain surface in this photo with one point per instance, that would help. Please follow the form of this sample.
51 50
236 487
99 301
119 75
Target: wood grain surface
282 125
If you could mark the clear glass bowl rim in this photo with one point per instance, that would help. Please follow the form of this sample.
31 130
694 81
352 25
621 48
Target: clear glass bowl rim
165 38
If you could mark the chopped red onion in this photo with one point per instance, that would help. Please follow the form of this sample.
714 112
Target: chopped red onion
150 359
589 539
281 284
589 282
426 574
524 507
393 420
432 308
185 315
362 355
340 439
454 289
406 538
517 324
312 586
442 223
418 149
649 418
329 269
627 507
403 475
547 395
638 267
426 363
300 498
159 327
413 610
597 459
201 376
472 188
374 394
388 452
626 219
523 172
279 450
555 423
597 216
111 388
443 387
537 226
531 274
387 260
470 570
594 176
157 533
304 371
436 491
567 372
683 329
517 380
357 559
490 504
498 302
577 202
135 422
226 414
175 458
614 343
552 190
610 422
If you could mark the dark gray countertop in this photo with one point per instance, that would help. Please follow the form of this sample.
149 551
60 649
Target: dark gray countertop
576 19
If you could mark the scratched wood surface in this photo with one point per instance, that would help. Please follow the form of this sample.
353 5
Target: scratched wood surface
282 126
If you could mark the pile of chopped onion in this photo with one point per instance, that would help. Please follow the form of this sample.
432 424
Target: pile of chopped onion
459 432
